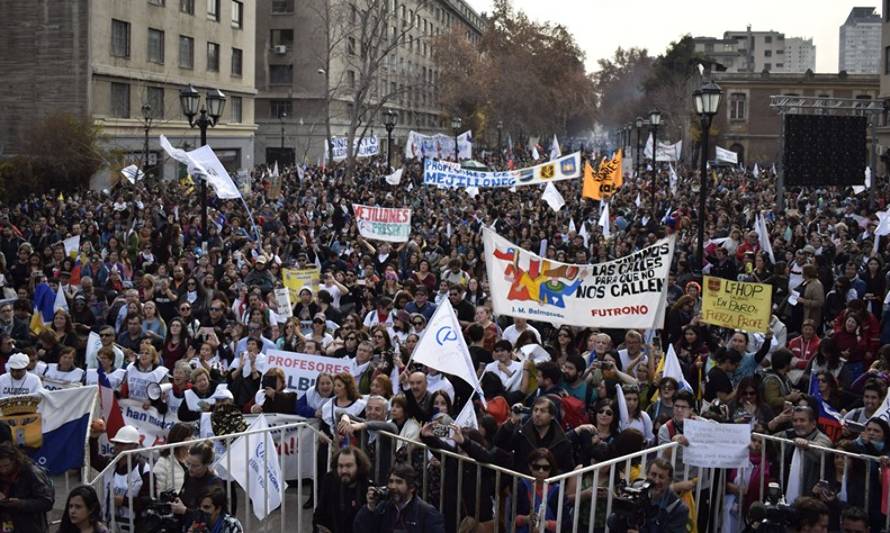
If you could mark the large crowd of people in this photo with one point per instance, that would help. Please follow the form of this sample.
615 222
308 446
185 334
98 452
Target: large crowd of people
171 305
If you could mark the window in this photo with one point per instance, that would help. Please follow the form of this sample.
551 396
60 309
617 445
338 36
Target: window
212 57
187 7
350 79
282 6
350 46
213 10
282 38
155 46
120 100
120 38
237 61
237 14
281 74
277 107
155 98
157 2
767 66
780 65
767 53
887 60
236 108
737 104
768 39
186 52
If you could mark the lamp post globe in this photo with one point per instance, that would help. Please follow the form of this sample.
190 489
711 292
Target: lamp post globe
706 100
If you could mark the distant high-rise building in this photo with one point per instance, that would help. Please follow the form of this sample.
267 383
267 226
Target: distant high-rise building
859 46
756 51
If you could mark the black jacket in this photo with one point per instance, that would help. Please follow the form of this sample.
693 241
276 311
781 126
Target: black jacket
672 517
34 497
524 440
337 504
417 517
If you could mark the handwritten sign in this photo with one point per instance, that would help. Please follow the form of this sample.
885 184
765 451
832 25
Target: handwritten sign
736 304
713 445
383 223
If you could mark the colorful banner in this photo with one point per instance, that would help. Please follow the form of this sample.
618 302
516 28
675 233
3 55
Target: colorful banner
629 292
294 279
370 146
383 223
446 174
439 146
301 369
153 426
736 304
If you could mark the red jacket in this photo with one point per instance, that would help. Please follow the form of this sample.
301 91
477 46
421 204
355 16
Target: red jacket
804 350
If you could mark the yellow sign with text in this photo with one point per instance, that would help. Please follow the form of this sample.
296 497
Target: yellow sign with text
296 279
736 304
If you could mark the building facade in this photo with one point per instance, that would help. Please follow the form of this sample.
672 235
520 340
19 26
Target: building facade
308 55
756 51
106 60
859 45
748 126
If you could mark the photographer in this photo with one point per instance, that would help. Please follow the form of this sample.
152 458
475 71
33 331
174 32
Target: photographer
271 397
402 509
812 515
212 516
198 480
666 512
343 491
540 431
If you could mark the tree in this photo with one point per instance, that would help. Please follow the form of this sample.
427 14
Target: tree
59 151
620 86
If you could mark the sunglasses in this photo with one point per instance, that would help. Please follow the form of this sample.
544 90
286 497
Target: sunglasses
351 338
216 309
607 412
418 322
185 308
541 467
317 321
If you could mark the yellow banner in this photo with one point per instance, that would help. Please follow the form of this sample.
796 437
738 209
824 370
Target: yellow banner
295 279
736 304
605 181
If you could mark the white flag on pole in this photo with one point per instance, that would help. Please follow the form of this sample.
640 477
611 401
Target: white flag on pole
552 197
471 191
132 173
859 189
638 202
882 229
756 171
60 301
555 152
572 227
623 413
395 178
442 347
263 481
763 236
673 178
72 246
583 233
604 220
203 163
535 154
794 490
672 369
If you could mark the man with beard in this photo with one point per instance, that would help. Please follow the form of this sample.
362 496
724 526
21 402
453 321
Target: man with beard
343 492
402 511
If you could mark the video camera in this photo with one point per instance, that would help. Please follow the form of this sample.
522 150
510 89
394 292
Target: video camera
774 514
158 514
632 507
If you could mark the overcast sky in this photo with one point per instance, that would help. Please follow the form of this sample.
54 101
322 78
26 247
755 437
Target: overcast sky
653 24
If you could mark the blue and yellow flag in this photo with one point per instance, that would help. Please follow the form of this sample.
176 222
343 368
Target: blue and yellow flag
44 298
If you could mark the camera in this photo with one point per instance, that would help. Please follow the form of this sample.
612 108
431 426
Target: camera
270 381
158 514
381 494
774 514
441 430
519 409
631 508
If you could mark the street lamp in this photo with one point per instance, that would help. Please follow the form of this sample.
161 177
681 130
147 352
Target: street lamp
206 117
389 122
627 135
455 126
654 121
706 99
500 126
282 116
639 124
146 122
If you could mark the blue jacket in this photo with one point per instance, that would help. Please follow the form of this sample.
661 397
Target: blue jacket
417 517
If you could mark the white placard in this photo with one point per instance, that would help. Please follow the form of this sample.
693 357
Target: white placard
282 298
713 445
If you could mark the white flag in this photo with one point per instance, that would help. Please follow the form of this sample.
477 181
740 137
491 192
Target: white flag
203 163
763 235
794 489
535 154
623 413
604 220
72 246
583 233
442 347
638 202
673 178
301 172
572 227
471 191
263 482
60 301
756 171
672 369
132 173
395 178
774 169
555 153
275 170
882 229
859 189
552 197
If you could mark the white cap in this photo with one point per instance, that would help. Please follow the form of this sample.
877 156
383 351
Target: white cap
223 393
19 361
126 435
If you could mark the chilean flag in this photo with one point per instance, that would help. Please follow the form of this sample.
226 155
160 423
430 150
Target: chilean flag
829 420
108 406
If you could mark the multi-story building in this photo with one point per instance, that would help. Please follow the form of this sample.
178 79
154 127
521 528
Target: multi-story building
756 51
308 54
746 123
859 46
106 59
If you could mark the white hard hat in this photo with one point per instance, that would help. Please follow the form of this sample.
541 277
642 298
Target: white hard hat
126 435
19 361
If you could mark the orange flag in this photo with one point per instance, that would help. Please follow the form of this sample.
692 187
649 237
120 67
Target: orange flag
591 188
617 174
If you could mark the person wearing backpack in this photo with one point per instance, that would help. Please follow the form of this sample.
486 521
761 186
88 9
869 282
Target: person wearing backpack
541 430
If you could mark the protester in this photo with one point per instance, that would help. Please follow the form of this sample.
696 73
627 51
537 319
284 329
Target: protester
343 491
404 510
82 512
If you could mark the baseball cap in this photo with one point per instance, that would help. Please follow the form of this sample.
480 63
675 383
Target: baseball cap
19 361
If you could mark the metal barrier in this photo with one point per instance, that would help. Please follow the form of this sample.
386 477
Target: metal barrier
150 455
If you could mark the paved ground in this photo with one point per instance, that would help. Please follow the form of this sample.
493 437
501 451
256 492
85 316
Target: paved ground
293 512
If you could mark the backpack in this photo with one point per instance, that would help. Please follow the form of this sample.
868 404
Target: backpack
571 412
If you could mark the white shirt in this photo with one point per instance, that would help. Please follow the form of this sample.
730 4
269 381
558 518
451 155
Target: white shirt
335 293
260 364
115 378
512 333
138 380
29 384
55 379
511 382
